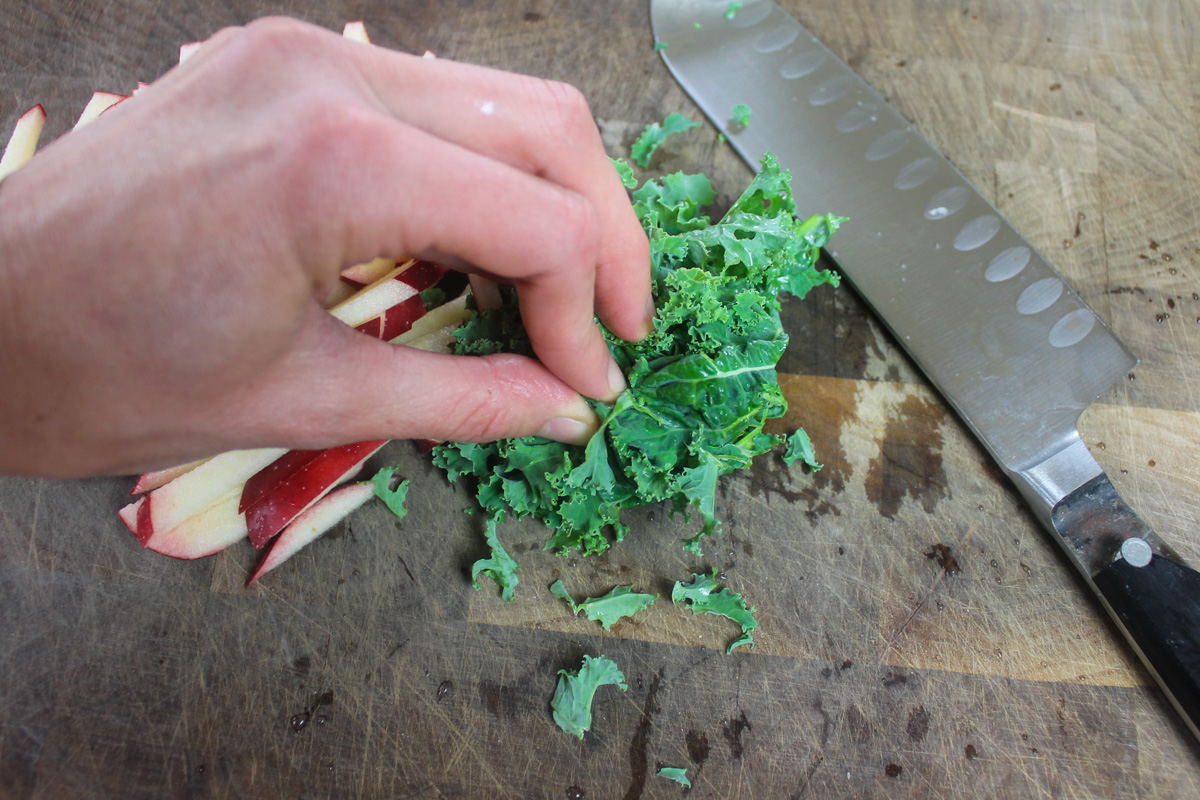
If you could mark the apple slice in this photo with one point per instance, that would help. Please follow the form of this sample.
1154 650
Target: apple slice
304 486
24 140
320 517
204 534
195 492
395 321
357 32
366 274
149 481
100 102
449 315
187 50
405 281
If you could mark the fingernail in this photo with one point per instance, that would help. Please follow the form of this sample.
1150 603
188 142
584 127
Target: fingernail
567 429
616 380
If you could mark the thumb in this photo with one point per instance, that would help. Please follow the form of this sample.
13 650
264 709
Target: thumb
339 385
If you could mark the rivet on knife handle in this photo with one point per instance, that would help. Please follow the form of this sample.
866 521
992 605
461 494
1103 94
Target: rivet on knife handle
1009 344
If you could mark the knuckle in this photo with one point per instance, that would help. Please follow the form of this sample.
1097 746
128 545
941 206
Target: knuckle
272 34
578 230
568 109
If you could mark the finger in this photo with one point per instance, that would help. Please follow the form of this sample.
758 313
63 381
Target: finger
472 209
339 385
540 127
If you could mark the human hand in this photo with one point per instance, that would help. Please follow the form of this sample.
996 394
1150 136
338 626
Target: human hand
163 270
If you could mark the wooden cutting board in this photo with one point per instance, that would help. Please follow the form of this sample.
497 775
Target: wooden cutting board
919 636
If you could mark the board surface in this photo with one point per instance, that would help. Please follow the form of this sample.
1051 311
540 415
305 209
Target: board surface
919 636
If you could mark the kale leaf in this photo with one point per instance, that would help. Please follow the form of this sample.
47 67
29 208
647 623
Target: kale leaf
500 567
677 774
656 133
700 596
572 701
701 386
620 602
393 498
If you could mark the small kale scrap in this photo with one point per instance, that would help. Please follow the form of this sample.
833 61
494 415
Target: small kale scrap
741 114
800 448
572 701
677 774
618 603
702 598
656 133
500 567
394 499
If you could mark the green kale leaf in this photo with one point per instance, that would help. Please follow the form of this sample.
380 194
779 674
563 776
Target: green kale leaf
572 702
393 498
732 9
800 448
500 567
701 386
677 774
655 134
700 597
620 602
741 114
625 171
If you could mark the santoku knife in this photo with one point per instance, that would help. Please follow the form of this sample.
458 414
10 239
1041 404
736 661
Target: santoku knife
1009 344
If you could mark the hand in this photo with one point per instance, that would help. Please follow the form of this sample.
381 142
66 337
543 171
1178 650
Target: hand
163 270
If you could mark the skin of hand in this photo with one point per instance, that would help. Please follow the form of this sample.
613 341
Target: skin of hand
164 270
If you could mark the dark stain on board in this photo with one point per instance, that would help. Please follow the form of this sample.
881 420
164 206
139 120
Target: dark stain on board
918 724
909 463
639 762
944 557
733 730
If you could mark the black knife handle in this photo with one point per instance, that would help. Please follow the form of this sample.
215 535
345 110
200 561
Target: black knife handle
1152 595
1158 606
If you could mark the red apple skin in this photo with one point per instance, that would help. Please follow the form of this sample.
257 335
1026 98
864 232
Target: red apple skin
273 475
303 487
311 524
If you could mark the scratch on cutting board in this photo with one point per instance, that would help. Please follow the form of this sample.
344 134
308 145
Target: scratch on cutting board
33 525
895 637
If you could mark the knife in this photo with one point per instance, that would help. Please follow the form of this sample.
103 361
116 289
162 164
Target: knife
1009 344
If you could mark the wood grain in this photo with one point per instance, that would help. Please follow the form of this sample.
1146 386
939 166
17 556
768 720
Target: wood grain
920 636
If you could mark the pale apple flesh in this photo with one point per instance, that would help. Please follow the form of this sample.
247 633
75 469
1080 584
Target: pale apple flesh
149 481
100 102
24 140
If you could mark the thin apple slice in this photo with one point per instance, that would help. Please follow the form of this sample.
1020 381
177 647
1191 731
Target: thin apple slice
100 102
204 534
187 496
448 315
149 481
319 518
23 143
405 281
306 485
368 273
396 320
373 300
356 31
188 49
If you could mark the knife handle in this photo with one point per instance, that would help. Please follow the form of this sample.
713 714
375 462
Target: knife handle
1152 595
1158 608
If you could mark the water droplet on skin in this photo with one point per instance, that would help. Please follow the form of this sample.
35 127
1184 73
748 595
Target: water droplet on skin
1066 244
999 654
444 688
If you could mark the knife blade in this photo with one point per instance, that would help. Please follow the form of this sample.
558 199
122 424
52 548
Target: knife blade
1009 344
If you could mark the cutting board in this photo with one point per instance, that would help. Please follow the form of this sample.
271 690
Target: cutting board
919 636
